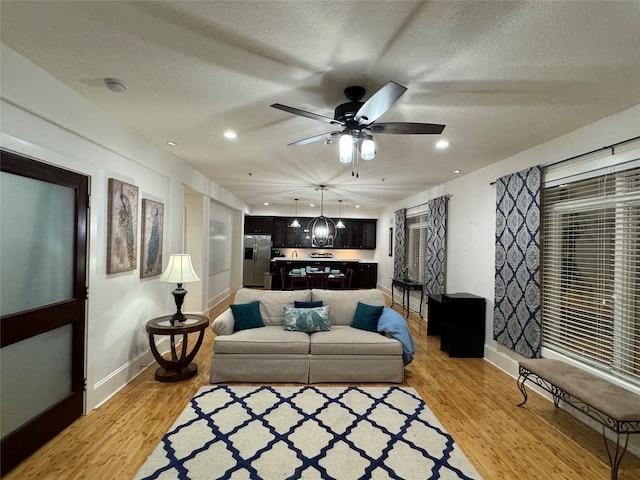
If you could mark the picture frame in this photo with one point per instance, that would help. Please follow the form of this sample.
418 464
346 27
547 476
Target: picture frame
151 242
391 241
122 227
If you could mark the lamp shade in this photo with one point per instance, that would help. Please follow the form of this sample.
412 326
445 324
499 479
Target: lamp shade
179 270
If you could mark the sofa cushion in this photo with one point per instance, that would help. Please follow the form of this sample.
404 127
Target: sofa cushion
307 319
366 317
297 304
344 302
266 340
246 316
272 301
345 340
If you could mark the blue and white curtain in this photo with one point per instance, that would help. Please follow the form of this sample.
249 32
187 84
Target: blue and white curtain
398 248
436 257
517 315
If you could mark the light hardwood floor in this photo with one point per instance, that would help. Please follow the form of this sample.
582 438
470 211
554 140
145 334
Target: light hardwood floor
474 401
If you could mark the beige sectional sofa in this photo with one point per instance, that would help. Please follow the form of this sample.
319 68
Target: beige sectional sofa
272 354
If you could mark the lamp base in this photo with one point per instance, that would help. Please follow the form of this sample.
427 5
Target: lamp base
178 295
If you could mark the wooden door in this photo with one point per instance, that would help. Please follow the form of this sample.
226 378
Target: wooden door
43 246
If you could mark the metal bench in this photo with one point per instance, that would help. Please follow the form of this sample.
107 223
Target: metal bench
610 405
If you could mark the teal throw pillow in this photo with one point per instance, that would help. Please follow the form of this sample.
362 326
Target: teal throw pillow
366 317
246 315
307 319
299 304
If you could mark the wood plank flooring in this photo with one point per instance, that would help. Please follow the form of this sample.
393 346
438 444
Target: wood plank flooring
474 401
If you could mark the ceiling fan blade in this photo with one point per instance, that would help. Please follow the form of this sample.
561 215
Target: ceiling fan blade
303 113
317 138
380 102
406 128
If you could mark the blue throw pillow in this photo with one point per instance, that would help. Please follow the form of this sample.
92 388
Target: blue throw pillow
246 315
307 319
366 317
298 304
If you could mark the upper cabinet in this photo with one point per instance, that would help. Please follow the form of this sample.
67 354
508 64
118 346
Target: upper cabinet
258 225
290 237
358 233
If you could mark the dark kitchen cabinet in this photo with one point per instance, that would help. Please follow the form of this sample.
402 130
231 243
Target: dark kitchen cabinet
258 225
367 275
357 234
290 237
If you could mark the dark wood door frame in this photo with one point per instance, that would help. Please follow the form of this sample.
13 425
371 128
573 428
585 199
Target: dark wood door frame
18 326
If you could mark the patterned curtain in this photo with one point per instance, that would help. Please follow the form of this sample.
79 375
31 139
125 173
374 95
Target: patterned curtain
516 315
398 248
436 255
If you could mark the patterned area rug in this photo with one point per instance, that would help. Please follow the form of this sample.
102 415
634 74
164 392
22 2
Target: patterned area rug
277 433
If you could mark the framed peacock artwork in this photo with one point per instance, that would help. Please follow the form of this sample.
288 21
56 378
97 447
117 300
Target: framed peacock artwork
151 245
122 227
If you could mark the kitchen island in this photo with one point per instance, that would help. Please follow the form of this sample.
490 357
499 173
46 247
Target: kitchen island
365 272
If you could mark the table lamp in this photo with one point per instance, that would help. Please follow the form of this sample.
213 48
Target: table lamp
179 270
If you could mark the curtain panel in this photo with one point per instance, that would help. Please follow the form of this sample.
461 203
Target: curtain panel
436 255
517 313
398 248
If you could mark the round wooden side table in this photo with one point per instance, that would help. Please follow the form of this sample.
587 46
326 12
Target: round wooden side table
179 367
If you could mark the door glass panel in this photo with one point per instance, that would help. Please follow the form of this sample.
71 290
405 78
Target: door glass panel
37 243
34 375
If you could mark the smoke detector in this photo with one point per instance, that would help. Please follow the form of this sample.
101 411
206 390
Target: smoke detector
115 85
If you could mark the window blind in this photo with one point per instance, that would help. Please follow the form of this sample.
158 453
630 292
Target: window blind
416 235
591 271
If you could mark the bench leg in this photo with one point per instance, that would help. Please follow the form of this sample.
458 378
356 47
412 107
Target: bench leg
615 454
524 374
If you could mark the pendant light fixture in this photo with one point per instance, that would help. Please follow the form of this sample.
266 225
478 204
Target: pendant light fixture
322 229
295 223
340 224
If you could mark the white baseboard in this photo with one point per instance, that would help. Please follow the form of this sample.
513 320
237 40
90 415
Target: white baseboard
107 387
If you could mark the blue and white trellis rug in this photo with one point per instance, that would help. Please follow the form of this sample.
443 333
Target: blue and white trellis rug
277 433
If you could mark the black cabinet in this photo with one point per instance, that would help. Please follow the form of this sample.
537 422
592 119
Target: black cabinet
357 234
258 224
367 275
285 236
459 319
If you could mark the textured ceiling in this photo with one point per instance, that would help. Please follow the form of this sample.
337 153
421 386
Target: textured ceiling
503 77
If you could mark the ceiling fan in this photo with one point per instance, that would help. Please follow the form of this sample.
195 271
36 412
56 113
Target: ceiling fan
358 118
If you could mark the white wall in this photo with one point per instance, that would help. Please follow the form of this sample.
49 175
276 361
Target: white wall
43 119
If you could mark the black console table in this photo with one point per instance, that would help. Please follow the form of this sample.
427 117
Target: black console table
407 286
459 319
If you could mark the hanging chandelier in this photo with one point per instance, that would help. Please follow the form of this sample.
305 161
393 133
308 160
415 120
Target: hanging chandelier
322 229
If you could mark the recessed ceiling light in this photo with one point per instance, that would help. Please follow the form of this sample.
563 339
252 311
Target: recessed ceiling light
357 206
456 171
312 205
266 203
172 144
442 144
230 135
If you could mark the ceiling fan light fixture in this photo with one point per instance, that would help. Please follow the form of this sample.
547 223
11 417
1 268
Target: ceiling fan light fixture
368 148
346 148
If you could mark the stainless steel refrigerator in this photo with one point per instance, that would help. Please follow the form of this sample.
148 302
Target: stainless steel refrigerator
257 259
